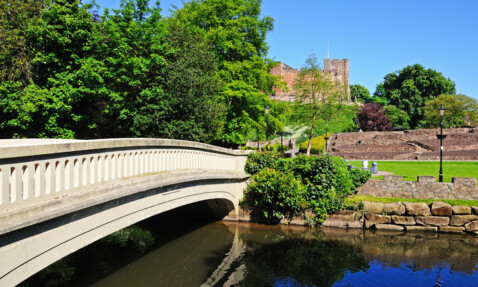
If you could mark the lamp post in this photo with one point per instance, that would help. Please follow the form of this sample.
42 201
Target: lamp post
441 137
326 139
267 122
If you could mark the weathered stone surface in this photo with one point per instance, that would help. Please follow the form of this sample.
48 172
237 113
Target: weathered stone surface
390 227
403 220
433 220
460 220
373 207
396 208
344 219
371 219
420 209
441 209
421 228
451 229
461 210
474 209
472 226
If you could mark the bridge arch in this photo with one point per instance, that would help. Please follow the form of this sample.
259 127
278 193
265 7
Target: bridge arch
38 233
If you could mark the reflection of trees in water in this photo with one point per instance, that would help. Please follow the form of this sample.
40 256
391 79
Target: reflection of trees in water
300 262
260 255
102 257
419 251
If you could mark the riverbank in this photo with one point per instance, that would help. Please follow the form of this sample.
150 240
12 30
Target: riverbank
397 216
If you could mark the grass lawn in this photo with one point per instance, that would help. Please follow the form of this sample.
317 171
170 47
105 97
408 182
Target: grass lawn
411 169
359 198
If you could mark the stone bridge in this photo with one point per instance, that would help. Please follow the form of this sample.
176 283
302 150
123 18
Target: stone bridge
57 196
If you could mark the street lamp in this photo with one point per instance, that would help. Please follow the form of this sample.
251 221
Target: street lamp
326 139
441 137
267 122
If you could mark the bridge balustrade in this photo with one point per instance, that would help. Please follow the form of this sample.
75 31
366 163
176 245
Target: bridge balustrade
42 171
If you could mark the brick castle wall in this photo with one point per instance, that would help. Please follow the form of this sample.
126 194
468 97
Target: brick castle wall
338 70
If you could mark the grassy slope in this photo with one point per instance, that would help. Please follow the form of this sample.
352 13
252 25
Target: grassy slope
411 169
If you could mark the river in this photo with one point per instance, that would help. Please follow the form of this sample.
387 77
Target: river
168 252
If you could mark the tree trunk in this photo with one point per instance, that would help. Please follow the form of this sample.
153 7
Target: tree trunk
311 133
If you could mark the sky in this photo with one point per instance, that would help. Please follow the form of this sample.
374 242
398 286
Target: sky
377 36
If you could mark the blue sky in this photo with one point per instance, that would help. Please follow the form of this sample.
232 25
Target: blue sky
377 36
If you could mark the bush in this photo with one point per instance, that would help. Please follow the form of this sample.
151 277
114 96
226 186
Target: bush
359 177
273 195
274 147
323 184
248 148
317 146
327 182
259 161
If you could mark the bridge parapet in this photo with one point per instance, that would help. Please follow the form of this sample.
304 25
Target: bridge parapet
33 171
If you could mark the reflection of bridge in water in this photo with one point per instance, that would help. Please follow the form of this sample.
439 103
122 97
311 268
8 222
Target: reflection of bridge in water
59 196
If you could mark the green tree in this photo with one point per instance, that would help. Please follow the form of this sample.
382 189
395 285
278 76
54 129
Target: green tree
318 96
410 88
398 117
41 101
460 109
16 20
237 31
360 93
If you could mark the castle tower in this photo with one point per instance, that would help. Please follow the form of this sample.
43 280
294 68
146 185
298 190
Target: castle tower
288 75
339 70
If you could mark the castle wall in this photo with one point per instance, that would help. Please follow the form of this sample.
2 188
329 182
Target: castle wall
338 70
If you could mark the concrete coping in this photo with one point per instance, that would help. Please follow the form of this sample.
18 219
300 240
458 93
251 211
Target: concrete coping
15 148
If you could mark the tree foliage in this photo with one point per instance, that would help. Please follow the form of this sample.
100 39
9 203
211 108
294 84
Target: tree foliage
282 188
318 96
410 88
199 75
372 117
398 117
360 93
460 110
237 31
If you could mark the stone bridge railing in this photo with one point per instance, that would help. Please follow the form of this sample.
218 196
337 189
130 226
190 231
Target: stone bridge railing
33 171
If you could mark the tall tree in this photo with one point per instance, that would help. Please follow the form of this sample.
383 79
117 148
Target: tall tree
318 95
410 88
237 31
372 117
360 93
460 110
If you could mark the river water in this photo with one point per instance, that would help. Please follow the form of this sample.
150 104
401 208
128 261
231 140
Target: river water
185 253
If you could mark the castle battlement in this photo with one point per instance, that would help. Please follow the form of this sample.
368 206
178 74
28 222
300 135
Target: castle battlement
338 69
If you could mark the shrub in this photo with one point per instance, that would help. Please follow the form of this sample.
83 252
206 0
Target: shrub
327 184
359 177
274 147
273 195
283 187
317 146
248 148
259 161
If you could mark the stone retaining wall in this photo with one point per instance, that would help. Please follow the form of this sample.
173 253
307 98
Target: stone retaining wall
436 217
426 187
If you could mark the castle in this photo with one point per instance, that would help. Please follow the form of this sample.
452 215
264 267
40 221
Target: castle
338 69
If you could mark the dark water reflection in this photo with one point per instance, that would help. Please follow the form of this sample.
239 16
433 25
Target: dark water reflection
241 254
